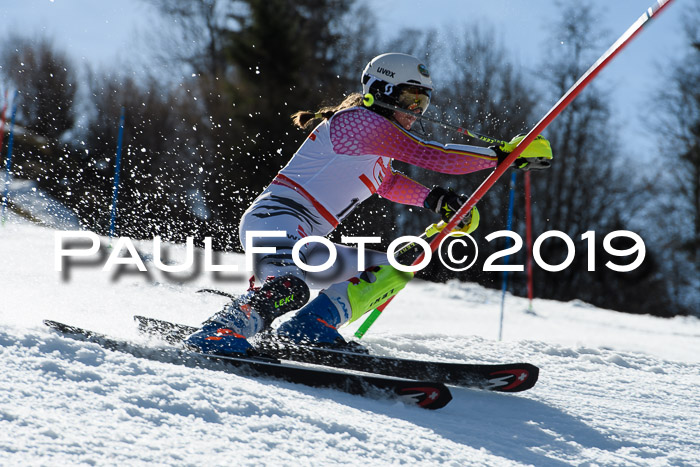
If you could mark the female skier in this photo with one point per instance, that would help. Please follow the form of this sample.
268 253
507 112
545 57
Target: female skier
345 160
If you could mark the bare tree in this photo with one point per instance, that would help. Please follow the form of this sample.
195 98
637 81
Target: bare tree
198 37
679 197
587 188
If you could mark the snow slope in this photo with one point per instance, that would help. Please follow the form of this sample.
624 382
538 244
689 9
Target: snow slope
614 389
26 197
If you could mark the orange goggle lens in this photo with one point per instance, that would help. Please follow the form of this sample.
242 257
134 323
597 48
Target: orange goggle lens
413 98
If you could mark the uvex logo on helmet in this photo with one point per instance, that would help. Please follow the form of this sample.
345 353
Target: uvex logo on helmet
386 72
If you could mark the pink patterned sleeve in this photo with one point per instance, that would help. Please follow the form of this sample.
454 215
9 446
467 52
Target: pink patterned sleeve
360 131
399 188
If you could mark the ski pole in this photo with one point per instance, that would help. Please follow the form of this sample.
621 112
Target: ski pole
369 321
553 113
430 231
117 169
369 100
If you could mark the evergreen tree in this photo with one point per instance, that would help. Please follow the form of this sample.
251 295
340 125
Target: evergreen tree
160 190
260 62
46 85
286 58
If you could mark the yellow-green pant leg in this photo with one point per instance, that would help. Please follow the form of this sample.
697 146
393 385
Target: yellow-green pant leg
374 287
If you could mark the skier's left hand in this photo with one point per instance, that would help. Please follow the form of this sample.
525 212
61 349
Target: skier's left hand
535 156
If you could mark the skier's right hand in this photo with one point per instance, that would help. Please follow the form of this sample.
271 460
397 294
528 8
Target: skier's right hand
467 226
447 203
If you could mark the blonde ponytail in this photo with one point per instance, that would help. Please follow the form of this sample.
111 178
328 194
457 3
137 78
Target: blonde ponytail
304 119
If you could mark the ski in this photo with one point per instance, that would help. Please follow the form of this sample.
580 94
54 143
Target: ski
507 377
425 394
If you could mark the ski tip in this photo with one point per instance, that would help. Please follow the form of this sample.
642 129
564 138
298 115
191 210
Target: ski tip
64 328
517 378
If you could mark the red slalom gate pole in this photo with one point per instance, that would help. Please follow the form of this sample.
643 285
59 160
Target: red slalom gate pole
528 237
553 113
2 122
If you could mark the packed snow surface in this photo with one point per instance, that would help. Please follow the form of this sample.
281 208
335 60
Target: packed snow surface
614 389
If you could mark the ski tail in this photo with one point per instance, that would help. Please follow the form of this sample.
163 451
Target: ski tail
170 332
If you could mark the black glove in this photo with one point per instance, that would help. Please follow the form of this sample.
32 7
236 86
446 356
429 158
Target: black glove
446 203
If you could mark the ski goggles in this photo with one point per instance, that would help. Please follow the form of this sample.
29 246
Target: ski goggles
414 97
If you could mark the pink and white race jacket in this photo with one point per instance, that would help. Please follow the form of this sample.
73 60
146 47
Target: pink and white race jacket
348 158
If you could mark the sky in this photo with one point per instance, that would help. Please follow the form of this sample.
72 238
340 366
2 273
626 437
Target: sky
111 33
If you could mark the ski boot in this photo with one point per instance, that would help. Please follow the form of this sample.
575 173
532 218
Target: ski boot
317 323
227 332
